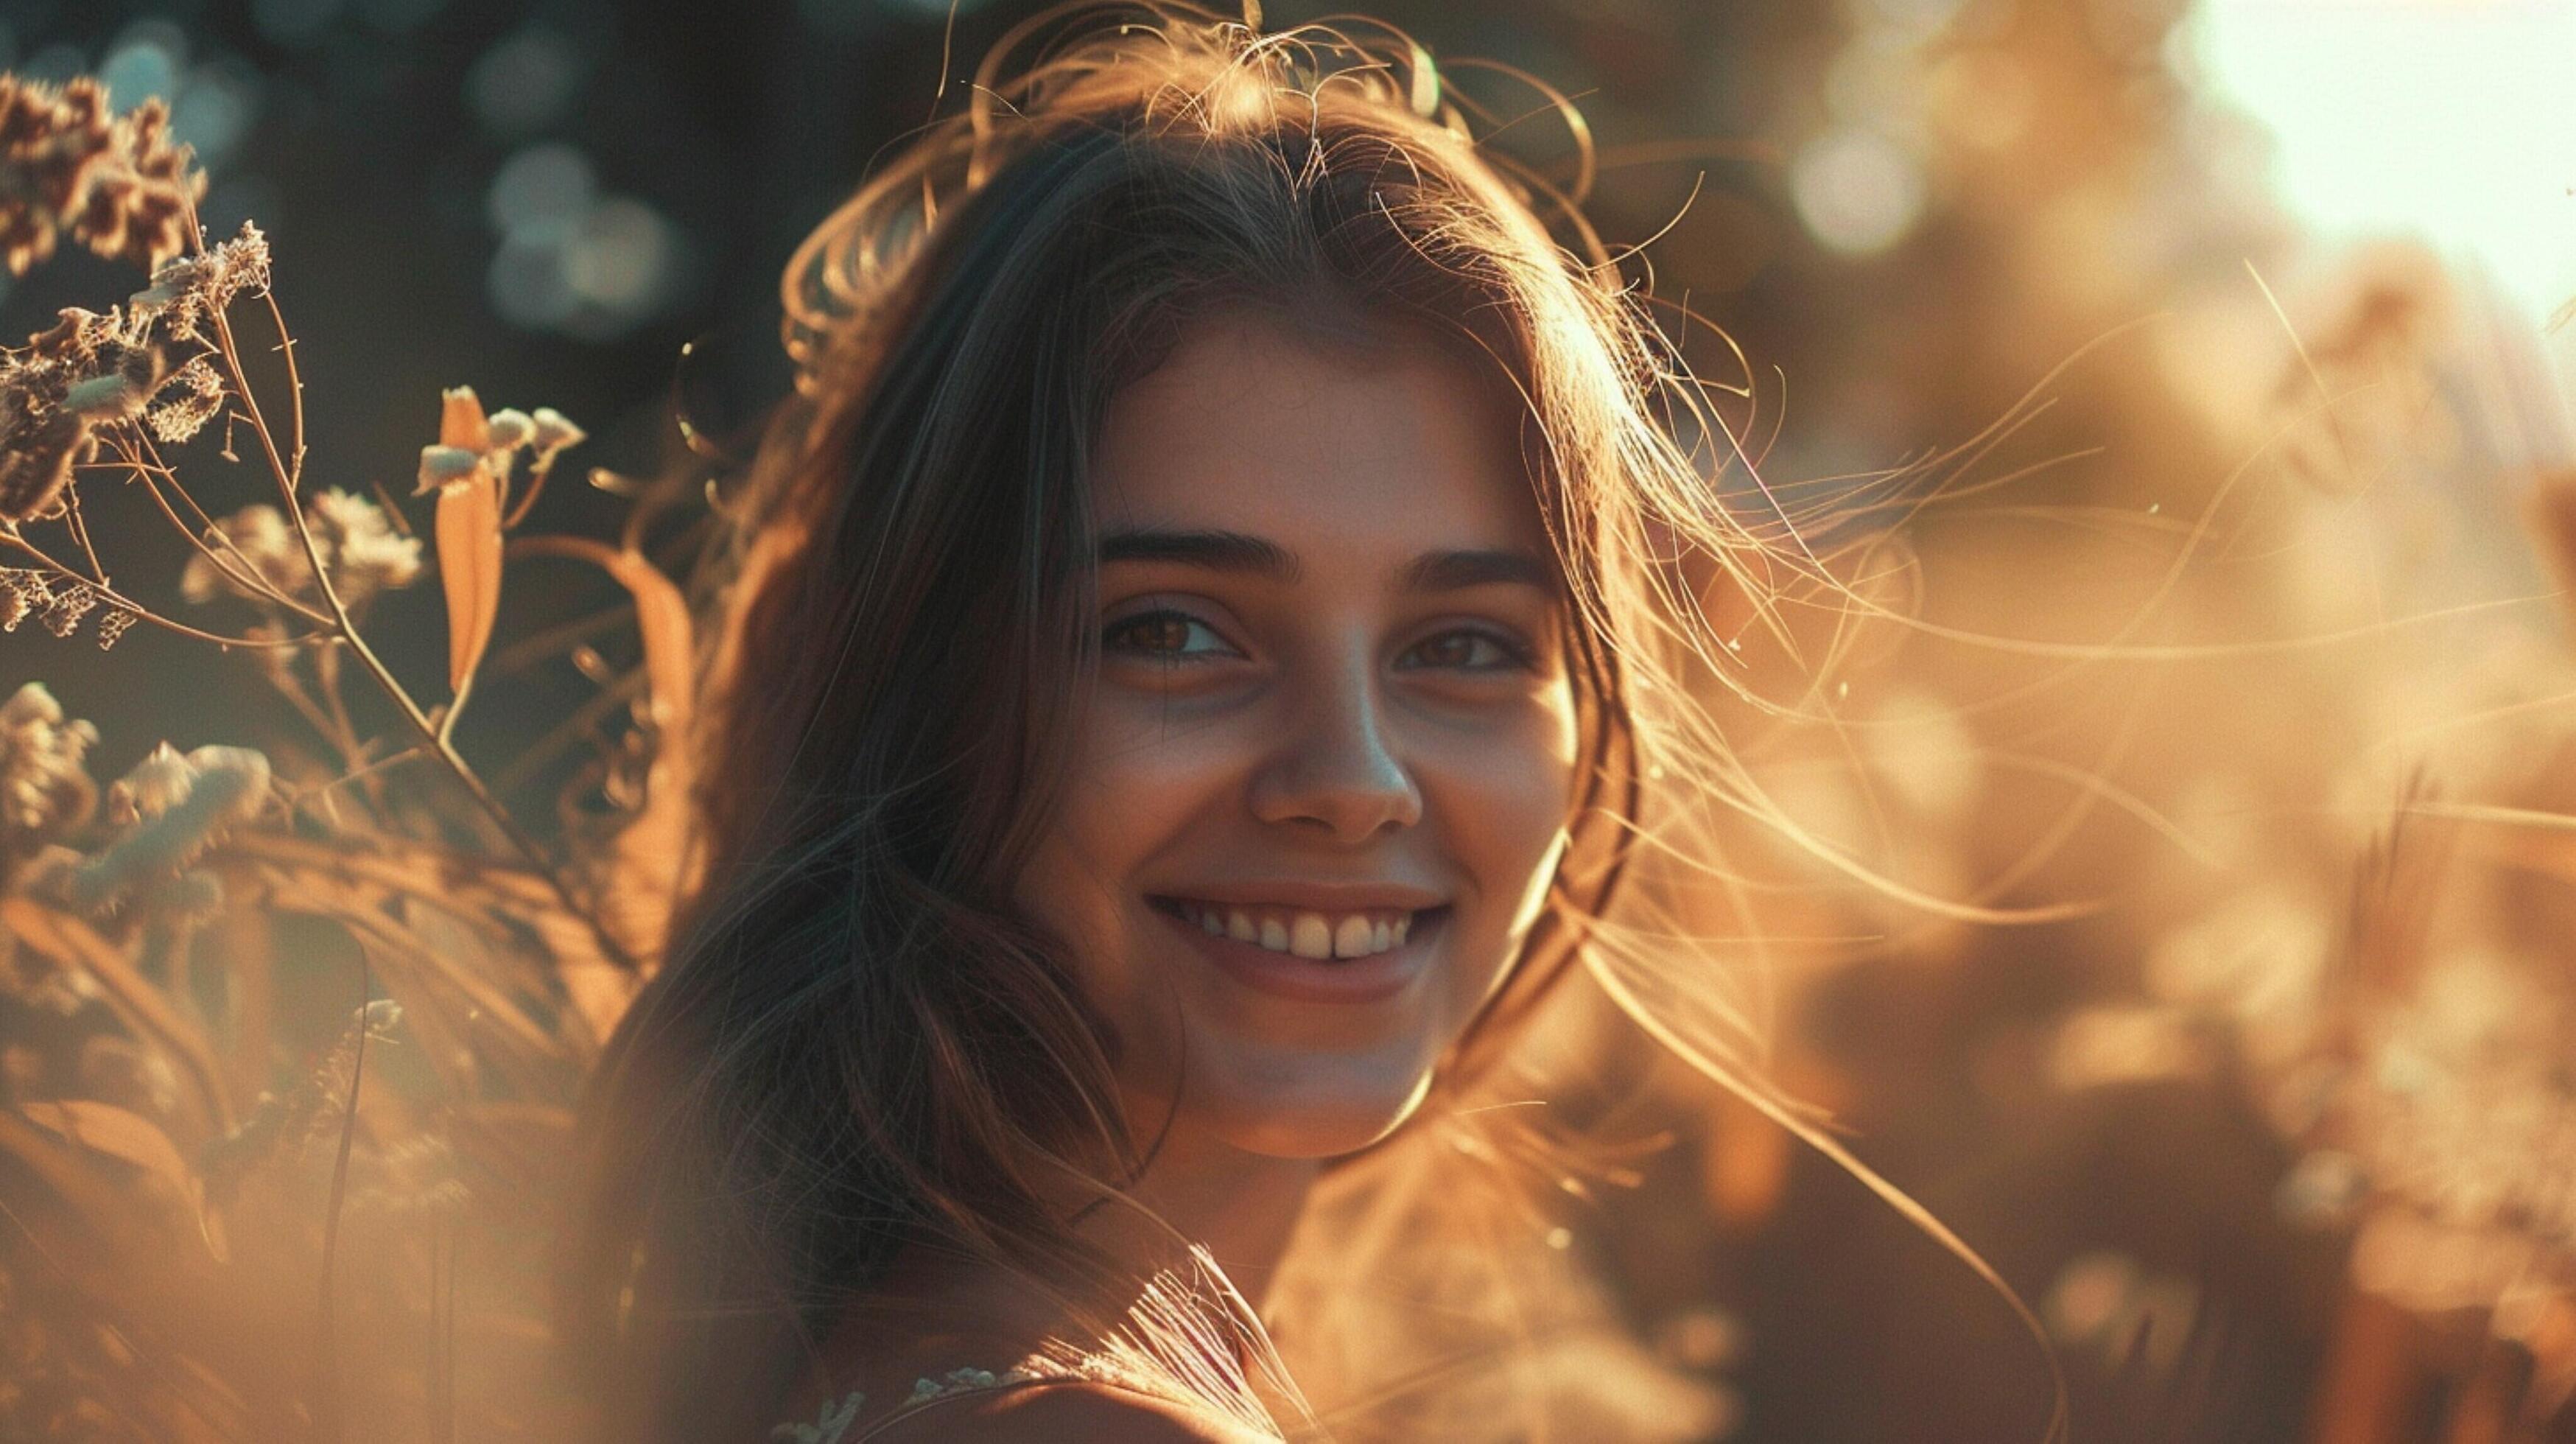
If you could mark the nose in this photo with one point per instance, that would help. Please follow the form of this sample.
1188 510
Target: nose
1336 767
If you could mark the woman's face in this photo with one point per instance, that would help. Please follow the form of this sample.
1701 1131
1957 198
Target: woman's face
1321 786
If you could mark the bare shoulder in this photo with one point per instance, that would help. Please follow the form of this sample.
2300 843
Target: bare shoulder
1069 1411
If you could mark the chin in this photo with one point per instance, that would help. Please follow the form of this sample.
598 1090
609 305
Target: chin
1316 1112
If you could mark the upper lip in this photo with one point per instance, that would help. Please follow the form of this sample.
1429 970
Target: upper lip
1326 897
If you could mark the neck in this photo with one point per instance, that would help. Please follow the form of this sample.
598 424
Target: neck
1197 1190
1239 1206
934 1310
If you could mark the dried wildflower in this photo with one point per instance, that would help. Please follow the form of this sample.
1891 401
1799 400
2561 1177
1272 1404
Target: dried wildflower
78 339
193 397
187 290
58 603
22 590
44 786
255 537
119 185
466 436
554 432
440 465
36 465
366 555
307 1114
84 374
359 545
175 808
161 781
113 624
62 616
510 429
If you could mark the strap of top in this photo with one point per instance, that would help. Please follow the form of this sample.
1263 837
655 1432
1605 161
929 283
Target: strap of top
837 1421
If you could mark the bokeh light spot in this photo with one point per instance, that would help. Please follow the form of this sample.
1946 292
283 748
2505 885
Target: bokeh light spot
526 284
1858 192
144 62
525 83
549 183
215 109
622 258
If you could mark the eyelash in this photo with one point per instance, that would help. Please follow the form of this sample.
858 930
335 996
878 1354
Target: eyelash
1108 638
1516 656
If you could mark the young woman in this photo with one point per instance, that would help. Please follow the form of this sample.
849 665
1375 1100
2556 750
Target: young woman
1213 652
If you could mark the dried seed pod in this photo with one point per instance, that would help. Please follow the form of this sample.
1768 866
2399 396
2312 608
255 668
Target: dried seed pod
72 603
35 468
115 624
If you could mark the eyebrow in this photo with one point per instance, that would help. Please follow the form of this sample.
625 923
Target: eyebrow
1457 570
1216 551
1234 551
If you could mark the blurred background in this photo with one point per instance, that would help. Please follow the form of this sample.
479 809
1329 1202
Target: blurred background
2209 352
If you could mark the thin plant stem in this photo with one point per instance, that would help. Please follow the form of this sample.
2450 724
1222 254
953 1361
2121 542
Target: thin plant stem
367 772
241 572
80 532
326 1369
326 673
116 599
163 469
536 486
455 708
285 476
557 639
583 722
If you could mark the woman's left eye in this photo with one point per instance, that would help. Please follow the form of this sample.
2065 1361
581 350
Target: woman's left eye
1469 649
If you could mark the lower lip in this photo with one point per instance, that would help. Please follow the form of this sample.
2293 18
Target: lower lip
1372 979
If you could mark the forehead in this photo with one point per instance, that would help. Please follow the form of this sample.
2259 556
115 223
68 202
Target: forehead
1253 424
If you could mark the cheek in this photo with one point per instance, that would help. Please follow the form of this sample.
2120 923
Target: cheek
1502 800
1139 779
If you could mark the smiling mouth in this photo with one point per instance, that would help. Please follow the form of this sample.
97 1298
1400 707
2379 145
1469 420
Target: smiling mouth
1303 932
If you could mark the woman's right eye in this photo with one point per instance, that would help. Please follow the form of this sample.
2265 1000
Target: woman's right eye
1167 637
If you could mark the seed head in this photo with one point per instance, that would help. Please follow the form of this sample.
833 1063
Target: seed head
44 786
120 186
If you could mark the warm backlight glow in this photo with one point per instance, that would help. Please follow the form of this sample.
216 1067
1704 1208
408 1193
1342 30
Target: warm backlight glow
2447 119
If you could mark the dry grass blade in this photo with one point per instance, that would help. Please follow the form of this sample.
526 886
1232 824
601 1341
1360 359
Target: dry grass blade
661 615
643 868
326 1384
141 1006
119 1134
106 1254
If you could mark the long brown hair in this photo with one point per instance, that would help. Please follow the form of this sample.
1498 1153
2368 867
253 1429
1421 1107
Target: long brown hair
857 1046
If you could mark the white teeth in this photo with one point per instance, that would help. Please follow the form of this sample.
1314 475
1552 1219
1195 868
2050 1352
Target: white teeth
1309 936
1304 932
1353 938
